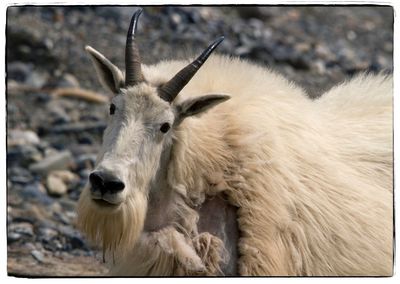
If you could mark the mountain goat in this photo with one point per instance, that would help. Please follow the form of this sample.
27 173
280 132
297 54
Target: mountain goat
293 186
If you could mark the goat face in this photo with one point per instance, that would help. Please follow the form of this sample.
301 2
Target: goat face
137 133
136 145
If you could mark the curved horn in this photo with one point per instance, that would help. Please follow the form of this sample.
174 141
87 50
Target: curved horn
171 89
133 70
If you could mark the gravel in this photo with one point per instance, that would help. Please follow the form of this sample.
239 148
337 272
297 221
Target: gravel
52 140
54 161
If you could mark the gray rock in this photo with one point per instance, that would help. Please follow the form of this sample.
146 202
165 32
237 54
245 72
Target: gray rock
58 115
77 242
248 12
33 192
321 50
68 81
351 35
13 237
69 207
75 194
37 255
28 45
19 175
13 200
61 217
85 161
23 229
79 127
46 234
84 173
18 71
319 67
73 238
242 50
48 43
22 137
57 161
37 79
23 155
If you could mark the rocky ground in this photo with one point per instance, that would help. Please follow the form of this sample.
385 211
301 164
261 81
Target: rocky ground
54 126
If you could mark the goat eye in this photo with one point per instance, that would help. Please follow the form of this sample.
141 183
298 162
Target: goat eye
165 127
112 109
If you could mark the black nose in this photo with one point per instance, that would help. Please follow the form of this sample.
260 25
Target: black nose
105 182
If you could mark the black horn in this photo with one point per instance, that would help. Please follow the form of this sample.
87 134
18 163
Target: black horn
133 69
171 89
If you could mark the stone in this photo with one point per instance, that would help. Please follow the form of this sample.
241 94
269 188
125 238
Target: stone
41 97
62 218
68 80
46 234
302 47
13 200
37 79
73 238
55 185
351 35
319 66
242 50
251 12
85 139
48 43
77 242
78 127
23 155
34 192
13 237
65 176
22 137
57 161
323 51
68 206
37 255
75 194
84 173
19 175
85 161
18 71
58 114
23 229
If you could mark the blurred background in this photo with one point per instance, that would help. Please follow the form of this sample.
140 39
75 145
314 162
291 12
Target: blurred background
56 109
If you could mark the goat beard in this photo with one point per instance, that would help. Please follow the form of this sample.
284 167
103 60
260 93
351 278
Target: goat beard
115 230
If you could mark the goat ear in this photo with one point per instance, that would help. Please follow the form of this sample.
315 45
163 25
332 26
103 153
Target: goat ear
198 105
109 74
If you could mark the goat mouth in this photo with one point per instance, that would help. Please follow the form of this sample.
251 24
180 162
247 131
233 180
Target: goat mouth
105 204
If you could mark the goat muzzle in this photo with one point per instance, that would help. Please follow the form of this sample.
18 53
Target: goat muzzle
105 187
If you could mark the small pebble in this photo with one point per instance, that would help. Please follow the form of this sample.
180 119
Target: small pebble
55 185
22 137
23 229
37 255
57 161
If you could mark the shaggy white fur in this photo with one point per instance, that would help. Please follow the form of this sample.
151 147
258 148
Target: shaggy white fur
312 180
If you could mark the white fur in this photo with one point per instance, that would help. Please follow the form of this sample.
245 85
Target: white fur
312 179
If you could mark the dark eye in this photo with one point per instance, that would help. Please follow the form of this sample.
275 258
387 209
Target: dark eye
112 109
165 127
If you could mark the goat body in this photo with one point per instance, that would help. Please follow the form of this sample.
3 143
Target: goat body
311 179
